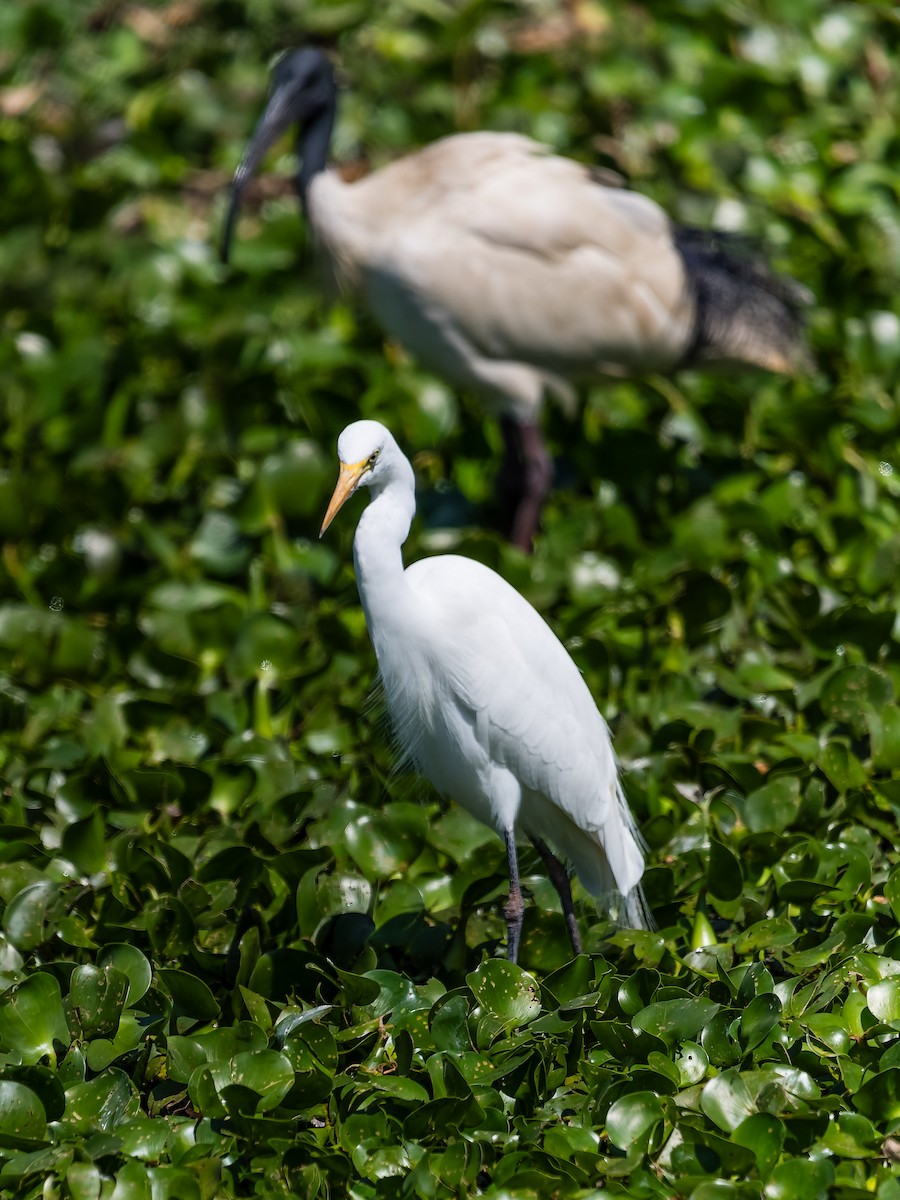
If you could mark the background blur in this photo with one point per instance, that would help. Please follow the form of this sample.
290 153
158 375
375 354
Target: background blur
184 668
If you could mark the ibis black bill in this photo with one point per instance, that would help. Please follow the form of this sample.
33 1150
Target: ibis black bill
277 116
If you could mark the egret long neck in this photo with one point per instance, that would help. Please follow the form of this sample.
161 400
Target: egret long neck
377 556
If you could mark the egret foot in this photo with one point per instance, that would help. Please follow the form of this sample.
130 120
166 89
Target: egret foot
559 877
514 909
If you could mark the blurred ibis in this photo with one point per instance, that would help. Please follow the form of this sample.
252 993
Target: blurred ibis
513 271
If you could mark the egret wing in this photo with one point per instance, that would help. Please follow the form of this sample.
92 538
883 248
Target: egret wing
535 714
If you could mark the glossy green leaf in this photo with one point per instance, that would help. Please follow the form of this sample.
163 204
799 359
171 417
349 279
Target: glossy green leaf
189 993
849 694
23 1121
633 1118
850 1135
675 1020
727 1101
102 1103
266 1073
759 1018
506 991
800 1178
764 1135
133 964
32 1020
879 1096
98 998
31 916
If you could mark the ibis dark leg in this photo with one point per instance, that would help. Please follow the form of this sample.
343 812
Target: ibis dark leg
560 879
524 481
515 905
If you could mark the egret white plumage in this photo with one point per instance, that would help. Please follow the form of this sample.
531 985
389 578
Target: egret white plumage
512 271
484 698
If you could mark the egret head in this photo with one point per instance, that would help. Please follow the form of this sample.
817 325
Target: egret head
367 453
303 90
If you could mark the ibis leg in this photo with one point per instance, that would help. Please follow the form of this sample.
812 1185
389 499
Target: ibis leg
524 480
515 905
560 879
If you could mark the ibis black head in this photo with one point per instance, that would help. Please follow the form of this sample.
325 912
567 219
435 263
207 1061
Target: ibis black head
303 91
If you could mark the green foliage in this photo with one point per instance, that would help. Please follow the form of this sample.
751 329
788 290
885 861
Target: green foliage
237 955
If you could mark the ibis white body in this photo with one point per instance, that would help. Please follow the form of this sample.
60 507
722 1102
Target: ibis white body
506 268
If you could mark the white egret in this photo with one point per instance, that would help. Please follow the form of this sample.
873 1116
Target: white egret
512 271
484 698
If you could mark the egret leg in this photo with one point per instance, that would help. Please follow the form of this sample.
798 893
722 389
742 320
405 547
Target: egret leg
524 480
559 877
515 906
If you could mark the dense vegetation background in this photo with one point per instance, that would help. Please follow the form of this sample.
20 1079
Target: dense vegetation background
238 957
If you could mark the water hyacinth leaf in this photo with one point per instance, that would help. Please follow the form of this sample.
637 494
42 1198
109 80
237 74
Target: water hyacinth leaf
396 992
183 1056
97 998
850 1135
771 933
143 1138
800 1179
506 991
83 1181
102 1051
692 1063
32 1019
568 1140
133 965
842 767
884 731
892 892
764 1135
774 806
675 1020
224 1043
879 1096
267 1074
101 1104
719 1189
23 1121
723 874
294 481
831 1030
571 982
632 1119
265 644
848 695
662 1065
382 844
759 1018
312 1046
82 844
189 993
44 1083
204 1094
449 1022
883 1000
727 1101
32 916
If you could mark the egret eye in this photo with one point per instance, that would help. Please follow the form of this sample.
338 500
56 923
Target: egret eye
372 459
